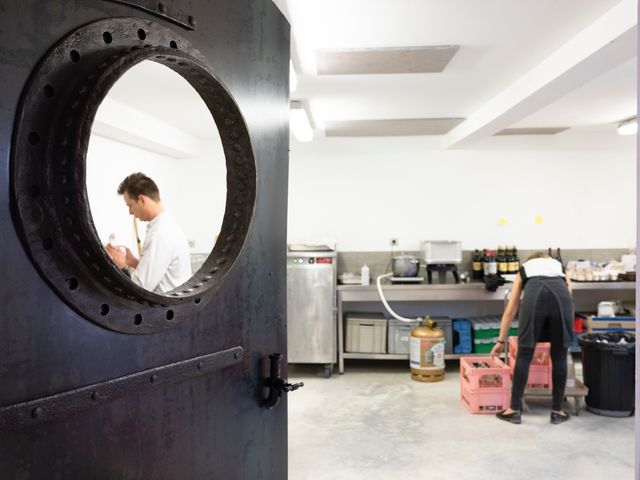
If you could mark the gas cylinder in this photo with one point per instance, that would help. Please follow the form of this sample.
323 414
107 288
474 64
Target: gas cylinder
427 352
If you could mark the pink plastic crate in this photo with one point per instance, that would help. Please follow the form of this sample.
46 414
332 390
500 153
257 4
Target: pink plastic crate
540 369
484 390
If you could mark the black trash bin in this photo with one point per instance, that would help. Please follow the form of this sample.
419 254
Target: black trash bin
608 367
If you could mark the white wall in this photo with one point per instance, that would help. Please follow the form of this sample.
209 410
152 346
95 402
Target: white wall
363 192
194 190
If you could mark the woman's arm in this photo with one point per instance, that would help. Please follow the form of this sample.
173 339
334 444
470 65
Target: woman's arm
509 313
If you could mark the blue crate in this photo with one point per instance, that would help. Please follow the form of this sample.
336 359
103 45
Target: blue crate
462 337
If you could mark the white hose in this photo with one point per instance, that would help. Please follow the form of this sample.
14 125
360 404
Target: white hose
386 305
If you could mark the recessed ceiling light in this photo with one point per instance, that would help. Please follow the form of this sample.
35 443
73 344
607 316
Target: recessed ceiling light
531 131
628 127
428 59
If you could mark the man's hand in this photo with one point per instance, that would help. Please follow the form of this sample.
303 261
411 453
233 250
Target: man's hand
130 259
118 255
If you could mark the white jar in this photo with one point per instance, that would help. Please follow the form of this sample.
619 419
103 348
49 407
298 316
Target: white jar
364 275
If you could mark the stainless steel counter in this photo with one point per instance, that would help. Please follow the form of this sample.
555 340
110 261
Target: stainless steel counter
465 292
421 292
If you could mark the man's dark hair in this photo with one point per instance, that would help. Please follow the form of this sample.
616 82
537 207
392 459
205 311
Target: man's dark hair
139 184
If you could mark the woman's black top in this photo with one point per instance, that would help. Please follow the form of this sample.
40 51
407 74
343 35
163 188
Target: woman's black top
537 275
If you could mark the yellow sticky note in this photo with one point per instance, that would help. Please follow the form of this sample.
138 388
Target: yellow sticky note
538 219
502 221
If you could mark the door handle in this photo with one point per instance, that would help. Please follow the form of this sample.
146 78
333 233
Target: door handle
275 383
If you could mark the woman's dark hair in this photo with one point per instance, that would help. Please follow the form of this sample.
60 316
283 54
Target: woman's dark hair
139 184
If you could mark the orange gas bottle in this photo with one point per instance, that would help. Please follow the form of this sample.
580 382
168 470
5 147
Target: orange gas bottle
427 352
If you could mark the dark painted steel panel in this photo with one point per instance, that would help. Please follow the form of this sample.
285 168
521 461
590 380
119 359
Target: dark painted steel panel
211 426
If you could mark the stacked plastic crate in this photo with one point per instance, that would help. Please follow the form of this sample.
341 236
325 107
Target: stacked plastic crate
485 384
540 369
486 330
462 336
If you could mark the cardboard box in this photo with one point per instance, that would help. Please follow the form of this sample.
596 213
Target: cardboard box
610 324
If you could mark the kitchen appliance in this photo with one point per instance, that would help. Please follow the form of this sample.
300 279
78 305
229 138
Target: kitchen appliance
311 308
629 262
442 256
405 266
607 309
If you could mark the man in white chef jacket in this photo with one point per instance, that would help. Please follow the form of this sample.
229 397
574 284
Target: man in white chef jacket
165 262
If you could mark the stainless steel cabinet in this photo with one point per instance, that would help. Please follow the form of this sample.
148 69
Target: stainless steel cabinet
311 308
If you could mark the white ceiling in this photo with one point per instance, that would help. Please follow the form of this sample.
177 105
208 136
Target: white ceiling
521 63
158 91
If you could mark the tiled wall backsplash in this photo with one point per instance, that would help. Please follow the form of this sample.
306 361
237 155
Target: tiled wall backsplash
380 262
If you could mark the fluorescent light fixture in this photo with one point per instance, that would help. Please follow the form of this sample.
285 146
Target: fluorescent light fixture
299 122
293 78
628 127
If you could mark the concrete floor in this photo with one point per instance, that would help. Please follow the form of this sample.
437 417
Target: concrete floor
374 423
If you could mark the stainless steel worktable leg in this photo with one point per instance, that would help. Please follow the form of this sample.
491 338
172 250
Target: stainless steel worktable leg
340 336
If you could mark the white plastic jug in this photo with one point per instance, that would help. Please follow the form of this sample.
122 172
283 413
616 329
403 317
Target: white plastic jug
364 275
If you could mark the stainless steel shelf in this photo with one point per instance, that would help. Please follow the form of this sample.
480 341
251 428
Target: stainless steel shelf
422 292
405 356
451 292
603 285
377 356
464 292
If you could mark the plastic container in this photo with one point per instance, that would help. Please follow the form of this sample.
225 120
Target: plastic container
484 390
364 275
609 372
540 369
462 337
484 345
442 251
399 334
488 327
366 333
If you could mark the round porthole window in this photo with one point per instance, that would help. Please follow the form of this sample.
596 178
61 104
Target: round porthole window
56 168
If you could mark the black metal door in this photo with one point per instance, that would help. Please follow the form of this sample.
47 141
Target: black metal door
100 378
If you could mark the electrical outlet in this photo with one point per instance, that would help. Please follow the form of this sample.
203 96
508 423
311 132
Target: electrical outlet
394 242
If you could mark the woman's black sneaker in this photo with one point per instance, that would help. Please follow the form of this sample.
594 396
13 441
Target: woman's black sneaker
513 417
557 418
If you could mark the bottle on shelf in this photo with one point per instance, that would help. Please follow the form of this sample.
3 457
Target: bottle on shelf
483 257
514 261
509 255
476 265
502 260
490 264
364 275
558 256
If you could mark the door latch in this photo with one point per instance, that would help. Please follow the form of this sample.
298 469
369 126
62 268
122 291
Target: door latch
275 383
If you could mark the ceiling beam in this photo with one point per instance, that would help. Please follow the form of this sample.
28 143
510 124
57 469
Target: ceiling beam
130 126
603 45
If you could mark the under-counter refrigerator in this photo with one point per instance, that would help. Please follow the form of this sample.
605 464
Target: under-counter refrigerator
311 308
